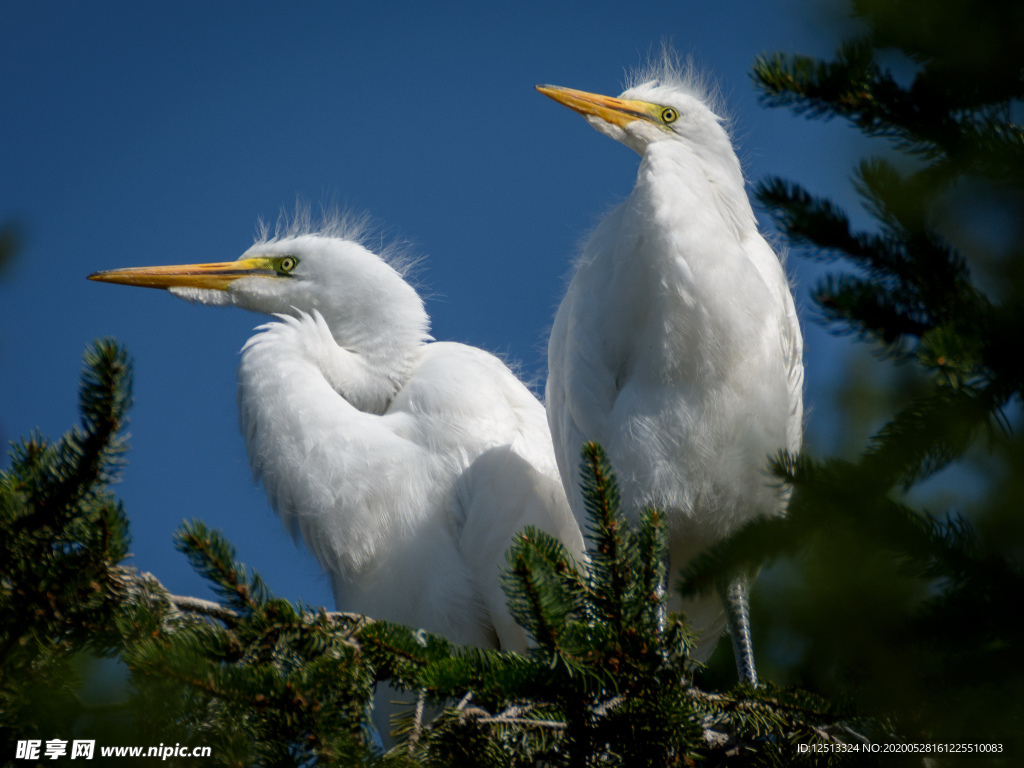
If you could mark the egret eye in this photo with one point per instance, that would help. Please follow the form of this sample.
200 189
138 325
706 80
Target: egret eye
669 115
287 264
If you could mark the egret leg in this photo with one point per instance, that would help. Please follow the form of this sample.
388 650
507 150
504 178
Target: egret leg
737 614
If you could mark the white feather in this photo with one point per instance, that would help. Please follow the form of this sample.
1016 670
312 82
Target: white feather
677 346
405 466
374 445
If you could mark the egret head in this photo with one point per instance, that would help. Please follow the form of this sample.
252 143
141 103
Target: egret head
329 271
666 103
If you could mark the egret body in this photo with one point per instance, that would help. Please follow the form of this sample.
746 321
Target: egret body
677 346
405 466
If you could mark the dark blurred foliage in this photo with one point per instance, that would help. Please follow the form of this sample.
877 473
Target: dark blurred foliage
62 536
898 577
10 240
10 237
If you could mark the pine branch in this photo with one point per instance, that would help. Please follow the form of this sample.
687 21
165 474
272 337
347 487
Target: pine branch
215 559
57 478
613 580
970 53
921 122
927 436
811 221
915 281
295 681
651 548
594 691
265 682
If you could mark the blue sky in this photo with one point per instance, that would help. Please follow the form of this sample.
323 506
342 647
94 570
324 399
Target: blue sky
143 133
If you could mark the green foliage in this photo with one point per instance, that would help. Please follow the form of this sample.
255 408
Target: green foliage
9 238
608 680
264 682
63 534
908 613
604 675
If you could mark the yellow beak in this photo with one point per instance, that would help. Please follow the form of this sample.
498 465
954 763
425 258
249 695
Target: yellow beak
215 276
618 112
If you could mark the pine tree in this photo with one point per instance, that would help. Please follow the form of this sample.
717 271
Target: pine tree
609 681
63 536
910 614
261 681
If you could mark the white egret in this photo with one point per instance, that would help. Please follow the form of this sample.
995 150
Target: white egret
405 466
677 345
